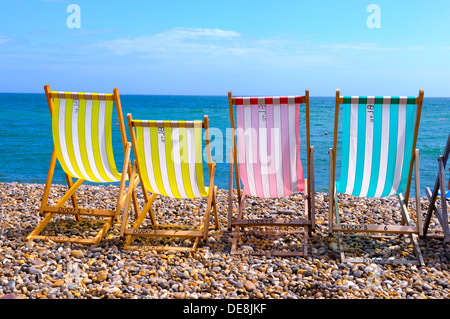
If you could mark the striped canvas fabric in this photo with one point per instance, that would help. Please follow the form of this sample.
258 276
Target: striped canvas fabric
170 157
267 129
377 141
82 135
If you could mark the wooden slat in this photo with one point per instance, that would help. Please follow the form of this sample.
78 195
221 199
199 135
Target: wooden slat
81 96
157 248
80 211
164 233
377 260
62 239
188 124
271 232
271 222
273 253
389 229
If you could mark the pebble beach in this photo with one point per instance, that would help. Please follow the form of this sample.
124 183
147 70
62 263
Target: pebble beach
47 270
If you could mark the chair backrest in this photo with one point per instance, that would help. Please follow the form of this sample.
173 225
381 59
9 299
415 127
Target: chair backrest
81 126
268 144
169 156
379 135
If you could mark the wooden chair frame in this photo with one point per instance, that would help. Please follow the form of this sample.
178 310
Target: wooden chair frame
238 223
198 234
107 217
406 228
441 212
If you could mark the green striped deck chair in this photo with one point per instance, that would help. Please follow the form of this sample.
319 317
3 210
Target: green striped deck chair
169 161
377 157
82 138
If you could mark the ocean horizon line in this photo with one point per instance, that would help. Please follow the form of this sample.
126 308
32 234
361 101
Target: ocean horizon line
215 95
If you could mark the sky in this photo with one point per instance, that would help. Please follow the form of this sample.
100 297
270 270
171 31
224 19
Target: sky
209 47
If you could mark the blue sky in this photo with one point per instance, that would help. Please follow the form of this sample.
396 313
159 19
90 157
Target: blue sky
198 47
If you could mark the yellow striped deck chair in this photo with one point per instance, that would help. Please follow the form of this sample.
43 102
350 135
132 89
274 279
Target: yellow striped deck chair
82 138
377 157
169 162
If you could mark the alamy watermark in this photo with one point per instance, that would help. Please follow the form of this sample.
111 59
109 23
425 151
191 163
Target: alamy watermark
74 272
374 19
74 19
264 146
374 279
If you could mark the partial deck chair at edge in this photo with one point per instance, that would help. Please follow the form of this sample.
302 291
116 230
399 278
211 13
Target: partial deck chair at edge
82 136
168 159
439 186
269 166
379 136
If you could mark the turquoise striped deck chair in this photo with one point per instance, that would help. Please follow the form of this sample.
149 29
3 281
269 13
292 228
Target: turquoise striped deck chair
265 159
169 161
377 156
82 139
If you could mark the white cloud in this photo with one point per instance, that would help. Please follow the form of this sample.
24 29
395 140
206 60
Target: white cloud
178 40
197 33
363 46
214 49
4 39
366 46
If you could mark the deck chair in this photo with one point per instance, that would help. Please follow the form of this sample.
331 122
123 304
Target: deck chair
378 153
439 190
266 159
82 138
168 159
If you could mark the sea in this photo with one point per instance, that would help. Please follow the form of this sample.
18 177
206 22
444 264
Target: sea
26 137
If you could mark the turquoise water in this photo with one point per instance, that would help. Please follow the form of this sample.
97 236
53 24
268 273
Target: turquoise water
26 142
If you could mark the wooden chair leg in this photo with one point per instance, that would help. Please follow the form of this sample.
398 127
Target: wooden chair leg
331 192
230 191
216 216
312 197
48 182
444 212
417 191
74 196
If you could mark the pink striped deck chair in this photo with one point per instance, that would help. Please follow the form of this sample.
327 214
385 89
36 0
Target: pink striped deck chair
266 159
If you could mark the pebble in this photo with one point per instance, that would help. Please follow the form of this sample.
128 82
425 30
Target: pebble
48 270
249 286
